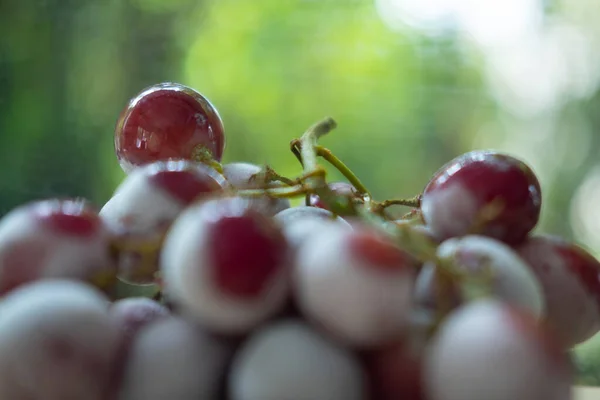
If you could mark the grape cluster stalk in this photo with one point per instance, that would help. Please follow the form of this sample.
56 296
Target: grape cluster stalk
253 299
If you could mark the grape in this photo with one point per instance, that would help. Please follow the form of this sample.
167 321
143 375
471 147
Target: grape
225 264
57 342
168 121
240 176
483 192
288 360
355 283
569 276
486 350
54 239
299 223
144 206
395 372
338 188
134 313
173 359
502 271
434 291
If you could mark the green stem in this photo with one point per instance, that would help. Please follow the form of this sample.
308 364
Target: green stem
414 202
308 144
315 181
279 192
343 168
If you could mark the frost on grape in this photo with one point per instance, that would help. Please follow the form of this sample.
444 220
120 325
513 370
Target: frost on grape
288 360
56 342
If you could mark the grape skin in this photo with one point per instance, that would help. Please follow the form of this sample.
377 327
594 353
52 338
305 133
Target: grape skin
299 223
141 211
495 194
570 282
57 342
167 121
484 351
239 175
288 360
354 299
30 249
174 359
188 271
511 278
134 313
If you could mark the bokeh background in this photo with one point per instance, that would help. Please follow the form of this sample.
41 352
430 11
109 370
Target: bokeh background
412 84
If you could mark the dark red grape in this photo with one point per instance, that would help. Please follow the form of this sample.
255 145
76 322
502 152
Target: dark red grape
395 372
483 192
168 121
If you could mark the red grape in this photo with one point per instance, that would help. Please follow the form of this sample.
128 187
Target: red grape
395 373
173 359
225 264
54 238
486 350
339 188
570 279
288 360
168 121
483 192
498 268
56 342
144 206
356 284
244 176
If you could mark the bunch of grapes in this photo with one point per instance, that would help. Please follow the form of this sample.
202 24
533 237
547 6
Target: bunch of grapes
255 299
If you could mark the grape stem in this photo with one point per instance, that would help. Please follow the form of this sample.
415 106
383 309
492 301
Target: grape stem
315 174
278 192
269 176
340 166
414 202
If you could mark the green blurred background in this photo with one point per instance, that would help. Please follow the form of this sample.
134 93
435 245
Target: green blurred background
412 83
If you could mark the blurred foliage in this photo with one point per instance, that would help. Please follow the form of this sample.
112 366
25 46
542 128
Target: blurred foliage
405 102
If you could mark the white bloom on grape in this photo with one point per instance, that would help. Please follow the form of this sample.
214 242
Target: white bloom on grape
449 211
141 211
511 279
572 309
173 359
485 351
56 342
140 206
300 223
353 299
288 360
188 275
39 251
241 175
